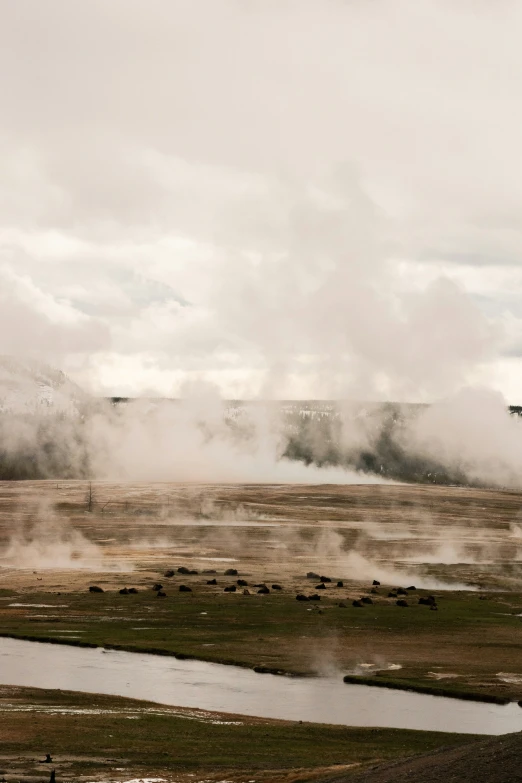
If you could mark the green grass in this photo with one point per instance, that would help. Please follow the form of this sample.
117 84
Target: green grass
475 638
179 741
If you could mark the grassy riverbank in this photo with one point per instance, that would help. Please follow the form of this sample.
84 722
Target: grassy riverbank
103 737
469 647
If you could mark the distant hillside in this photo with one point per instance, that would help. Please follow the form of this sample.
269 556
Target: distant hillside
33 387
41 419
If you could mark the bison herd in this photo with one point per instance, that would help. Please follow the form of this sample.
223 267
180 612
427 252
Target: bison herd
399 594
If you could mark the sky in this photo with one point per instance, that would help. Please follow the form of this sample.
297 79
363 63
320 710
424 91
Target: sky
275 198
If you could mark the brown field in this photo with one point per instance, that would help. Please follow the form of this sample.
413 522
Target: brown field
435 538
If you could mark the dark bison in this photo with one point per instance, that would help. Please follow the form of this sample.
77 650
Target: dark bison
231 572
276 587
169 573
212 582
185 589
263 590
230 589
96 589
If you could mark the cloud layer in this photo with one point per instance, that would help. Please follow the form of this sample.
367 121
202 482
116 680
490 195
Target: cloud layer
284 198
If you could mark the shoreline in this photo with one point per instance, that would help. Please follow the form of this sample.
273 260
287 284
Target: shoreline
374 681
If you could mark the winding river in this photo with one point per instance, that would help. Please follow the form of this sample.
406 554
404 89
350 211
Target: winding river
211 686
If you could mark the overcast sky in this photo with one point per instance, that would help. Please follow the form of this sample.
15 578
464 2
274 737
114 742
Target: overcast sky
282 197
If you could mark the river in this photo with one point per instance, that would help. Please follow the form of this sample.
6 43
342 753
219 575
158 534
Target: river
211 686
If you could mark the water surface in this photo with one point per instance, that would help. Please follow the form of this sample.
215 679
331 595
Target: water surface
211 686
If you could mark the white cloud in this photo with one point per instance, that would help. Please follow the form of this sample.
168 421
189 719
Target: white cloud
313 197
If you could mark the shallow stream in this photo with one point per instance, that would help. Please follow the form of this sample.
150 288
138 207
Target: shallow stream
231 689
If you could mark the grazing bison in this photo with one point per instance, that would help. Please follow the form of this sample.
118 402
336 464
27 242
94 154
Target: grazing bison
231 572
96 589
411 588
212 582
314 597
193 572
276 587
392 595
401 591
242 583
376 583
169 573
161 594
320 586
324 579
185 589
366 599
340 583
401 602
124 591
263 590
132 590
312 575
301 597
230 589
183 570
357 603
157 587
